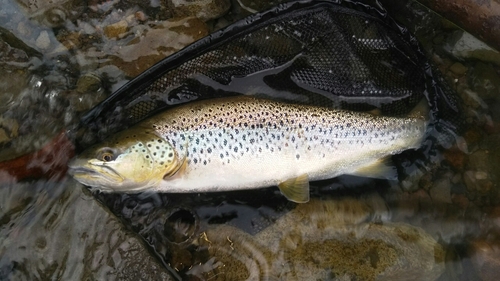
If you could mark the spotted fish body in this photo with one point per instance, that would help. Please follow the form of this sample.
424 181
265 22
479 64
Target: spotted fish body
242 143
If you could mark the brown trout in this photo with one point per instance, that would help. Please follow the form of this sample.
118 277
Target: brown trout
242 143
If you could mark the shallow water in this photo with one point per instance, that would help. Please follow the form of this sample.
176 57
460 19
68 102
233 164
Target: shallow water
59 58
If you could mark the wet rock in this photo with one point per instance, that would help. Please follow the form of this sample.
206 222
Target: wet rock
12 49
202 9
455 157
479 160
312 243
9 129
89 82
485 258
116 30
463 45
441 191
60 230
43 40
458 68
425 181
478 181
472 137
460 200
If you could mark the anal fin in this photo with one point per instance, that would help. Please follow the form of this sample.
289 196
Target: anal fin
380 169
296 189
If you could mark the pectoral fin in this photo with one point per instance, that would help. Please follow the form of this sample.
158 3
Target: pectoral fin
176 169
296 189
380 169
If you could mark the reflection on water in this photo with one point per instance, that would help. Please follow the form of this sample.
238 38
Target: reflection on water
58 58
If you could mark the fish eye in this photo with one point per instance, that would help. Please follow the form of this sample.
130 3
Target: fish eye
106 155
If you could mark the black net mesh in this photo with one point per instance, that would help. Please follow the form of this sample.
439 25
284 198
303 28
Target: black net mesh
347 56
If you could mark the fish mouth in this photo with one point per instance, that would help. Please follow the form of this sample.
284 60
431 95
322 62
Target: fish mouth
81 172
75 171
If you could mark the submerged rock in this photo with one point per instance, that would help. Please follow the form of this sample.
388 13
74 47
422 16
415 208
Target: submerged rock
463 45
323 240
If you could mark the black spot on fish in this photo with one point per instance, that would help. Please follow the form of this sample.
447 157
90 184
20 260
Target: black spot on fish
205 162
297 156
195 160
170 155
209 150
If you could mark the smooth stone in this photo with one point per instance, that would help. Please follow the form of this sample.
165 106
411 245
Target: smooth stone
463 45
458 68
43 40
441 191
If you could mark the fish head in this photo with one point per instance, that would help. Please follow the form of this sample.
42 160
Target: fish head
132 160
